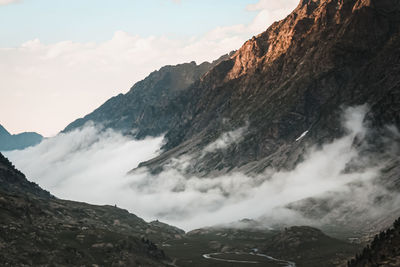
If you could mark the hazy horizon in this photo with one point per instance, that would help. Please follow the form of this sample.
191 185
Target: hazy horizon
70 59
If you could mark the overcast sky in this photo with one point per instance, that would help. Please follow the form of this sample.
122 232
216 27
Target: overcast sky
61 59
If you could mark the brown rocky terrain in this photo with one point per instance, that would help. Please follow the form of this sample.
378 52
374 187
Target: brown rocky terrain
297 76
294 77
37 229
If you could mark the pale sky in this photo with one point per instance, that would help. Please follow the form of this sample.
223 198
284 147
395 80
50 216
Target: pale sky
61 59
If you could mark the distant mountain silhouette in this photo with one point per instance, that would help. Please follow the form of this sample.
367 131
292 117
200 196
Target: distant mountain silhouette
150 106
18 141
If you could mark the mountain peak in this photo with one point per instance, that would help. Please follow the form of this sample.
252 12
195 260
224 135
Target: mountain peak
310 16
3 131
277 39
18 141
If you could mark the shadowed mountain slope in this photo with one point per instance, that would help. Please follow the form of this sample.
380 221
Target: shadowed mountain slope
37 229
151 106
286 89
383 251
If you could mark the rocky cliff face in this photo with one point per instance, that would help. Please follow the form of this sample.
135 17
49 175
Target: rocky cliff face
292 80
294 77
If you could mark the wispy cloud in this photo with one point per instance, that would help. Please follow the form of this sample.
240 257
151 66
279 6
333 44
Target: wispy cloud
269 12
226 139
7 2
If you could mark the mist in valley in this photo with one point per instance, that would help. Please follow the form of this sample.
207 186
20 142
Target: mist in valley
91 165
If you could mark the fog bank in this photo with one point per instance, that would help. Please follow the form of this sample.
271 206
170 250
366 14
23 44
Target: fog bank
91 165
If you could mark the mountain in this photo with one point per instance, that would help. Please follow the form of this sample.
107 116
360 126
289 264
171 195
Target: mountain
294 78
383 251
37 229
150 106
18 141
282 92
14 182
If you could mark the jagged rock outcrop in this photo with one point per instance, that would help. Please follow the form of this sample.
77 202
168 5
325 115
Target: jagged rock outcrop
294 77
18 141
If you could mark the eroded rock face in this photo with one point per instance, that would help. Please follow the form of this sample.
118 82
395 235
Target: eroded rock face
295 77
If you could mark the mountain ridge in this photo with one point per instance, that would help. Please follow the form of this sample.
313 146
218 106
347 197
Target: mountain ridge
292 81
19 141
148 108
289 93
273 85
38 229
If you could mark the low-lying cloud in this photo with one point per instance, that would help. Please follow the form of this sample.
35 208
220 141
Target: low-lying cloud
91 165
87 164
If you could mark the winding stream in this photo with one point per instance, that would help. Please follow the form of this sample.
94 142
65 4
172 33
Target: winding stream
214 256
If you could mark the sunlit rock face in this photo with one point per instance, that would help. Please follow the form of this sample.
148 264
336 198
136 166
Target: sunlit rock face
295 77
